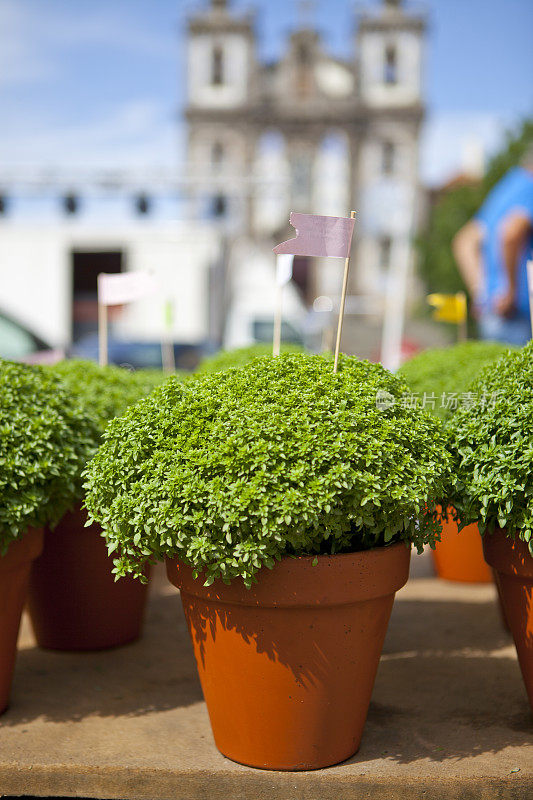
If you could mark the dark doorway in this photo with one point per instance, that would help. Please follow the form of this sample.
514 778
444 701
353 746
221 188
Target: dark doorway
86 265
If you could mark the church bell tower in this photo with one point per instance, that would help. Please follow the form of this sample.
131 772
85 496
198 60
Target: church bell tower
220 85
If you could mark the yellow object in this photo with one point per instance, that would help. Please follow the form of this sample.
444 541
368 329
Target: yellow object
448 307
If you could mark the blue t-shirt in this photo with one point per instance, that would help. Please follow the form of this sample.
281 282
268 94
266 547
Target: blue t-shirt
513 193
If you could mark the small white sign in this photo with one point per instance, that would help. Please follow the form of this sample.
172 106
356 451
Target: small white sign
283 269
114 289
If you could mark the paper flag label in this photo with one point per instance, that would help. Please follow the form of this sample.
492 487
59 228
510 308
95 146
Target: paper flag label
114 289
318 236
448 307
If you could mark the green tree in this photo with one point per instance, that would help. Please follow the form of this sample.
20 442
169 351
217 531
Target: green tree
436 262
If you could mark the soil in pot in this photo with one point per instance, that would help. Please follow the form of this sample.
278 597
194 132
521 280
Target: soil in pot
287 667
74 601
459 555
14 575
514 565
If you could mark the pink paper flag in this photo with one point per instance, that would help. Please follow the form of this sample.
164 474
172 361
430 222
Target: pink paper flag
319 236
124 287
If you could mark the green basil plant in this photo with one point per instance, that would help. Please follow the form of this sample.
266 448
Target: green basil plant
232 471
106 392
46 438
492 444
439 378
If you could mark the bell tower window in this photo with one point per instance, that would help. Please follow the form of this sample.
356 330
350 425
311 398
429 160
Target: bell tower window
217 154
303 54
217 66
387 158
384 257
304 59
390 71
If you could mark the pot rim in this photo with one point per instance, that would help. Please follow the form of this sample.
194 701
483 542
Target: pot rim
339 579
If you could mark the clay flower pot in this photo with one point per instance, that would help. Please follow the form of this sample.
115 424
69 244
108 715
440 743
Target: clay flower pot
14 575
287 667
74 601
459 555
514 566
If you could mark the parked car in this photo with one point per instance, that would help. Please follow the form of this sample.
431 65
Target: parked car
138 355
19 343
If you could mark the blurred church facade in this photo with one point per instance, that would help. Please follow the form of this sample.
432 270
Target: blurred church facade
309 133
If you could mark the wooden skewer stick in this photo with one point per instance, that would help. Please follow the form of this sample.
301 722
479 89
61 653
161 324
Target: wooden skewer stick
276 341
168 358
102 333
341 309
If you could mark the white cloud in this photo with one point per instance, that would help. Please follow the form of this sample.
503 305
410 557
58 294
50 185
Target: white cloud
21 61
107 27
452 140
34 42
37 47
136 133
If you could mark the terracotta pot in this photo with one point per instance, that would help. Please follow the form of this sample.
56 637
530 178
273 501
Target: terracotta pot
287 668
514 565
459 555
14 575
74 601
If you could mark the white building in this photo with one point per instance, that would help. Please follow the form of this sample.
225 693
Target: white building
48 273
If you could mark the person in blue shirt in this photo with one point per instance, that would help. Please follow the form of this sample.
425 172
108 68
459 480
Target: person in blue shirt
492 251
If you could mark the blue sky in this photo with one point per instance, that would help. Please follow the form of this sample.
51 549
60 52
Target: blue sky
100 82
